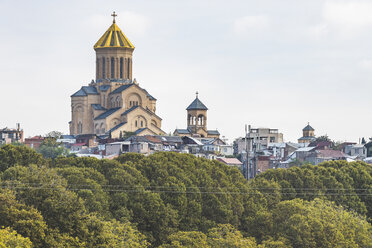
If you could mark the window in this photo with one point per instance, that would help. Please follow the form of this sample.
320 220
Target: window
121 67
141 123
136 123
128 67
136 103
103 67
80 128
112 68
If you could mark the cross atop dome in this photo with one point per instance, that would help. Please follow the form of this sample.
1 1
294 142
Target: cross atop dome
114 15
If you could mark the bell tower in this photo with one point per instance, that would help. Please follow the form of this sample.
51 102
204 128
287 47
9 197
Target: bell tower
113 55
196 115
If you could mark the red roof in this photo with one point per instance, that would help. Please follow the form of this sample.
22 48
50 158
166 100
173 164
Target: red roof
331 154
230 161
80 144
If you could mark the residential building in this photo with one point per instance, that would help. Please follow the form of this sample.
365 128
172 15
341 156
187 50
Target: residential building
34 142
11 135
356 150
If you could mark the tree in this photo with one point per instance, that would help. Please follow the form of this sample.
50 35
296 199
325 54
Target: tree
323 138
54 134
320 223
50 148
9 238
24 219
226 236
18 155
193 239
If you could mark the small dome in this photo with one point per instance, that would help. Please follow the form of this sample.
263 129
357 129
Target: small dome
308 128
113 38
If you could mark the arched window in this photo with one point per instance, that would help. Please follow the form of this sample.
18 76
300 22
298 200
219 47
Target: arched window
136 123
117 101
103 67
112 67
141 123
121 67
128 68
80 128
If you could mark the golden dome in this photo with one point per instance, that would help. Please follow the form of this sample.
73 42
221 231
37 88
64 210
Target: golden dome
113 38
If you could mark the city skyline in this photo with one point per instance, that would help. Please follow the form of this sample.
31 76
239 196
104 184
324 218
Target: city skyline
280 66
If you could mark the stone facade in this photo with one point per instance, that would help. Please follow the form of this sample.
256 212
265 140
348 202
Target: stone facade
114 103
197 122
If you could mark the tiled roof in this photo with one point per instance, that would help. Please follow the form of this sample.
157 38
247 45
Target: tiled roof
182 131
129 110
213 132
196 105
113 37
153 139
121 88
107 113
331 154
98 107
230 161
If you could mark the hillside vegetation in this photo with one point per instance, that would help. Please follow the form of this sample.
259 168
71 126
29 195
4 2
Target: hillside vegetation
177 200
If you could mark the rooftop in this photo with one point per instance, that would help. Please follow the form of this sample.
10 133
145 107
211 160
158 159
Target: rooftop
112 38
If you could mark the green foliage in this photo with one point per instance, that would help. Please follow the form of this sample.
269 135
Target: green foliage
320 223
18 155
51 149
11 239
178 200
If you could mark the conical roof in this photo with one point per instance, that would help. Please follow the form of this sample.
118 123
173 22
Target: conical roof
113 38
308 128
197 105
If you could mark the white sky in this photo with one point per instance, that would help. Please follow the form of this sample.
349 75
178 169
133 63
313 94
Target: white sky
267 63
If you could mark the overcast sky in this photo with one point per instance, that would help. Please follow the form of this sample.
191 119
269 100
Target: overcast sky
268 63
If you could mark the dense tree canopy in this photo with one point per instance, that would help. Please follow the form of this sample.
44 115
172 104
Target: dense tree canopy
178 200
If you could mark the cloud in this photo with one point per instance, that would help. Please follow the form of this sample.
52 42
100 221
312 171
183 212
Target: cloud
343 18
249 24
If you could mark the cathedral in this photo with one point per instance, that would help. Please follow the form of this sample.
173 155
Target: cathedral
114 103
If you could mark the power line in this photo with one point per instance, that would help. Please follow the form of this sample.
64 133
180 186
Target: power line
45 187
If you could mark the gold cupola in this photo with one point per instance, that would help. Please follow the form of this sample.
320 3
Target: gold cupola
113 55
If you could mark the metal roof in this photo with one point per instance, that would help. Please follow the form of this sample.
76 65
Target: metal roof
129 110
183 131
86 90
196 105
113 37
121 88
213 132
98 107
308 128
107 113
